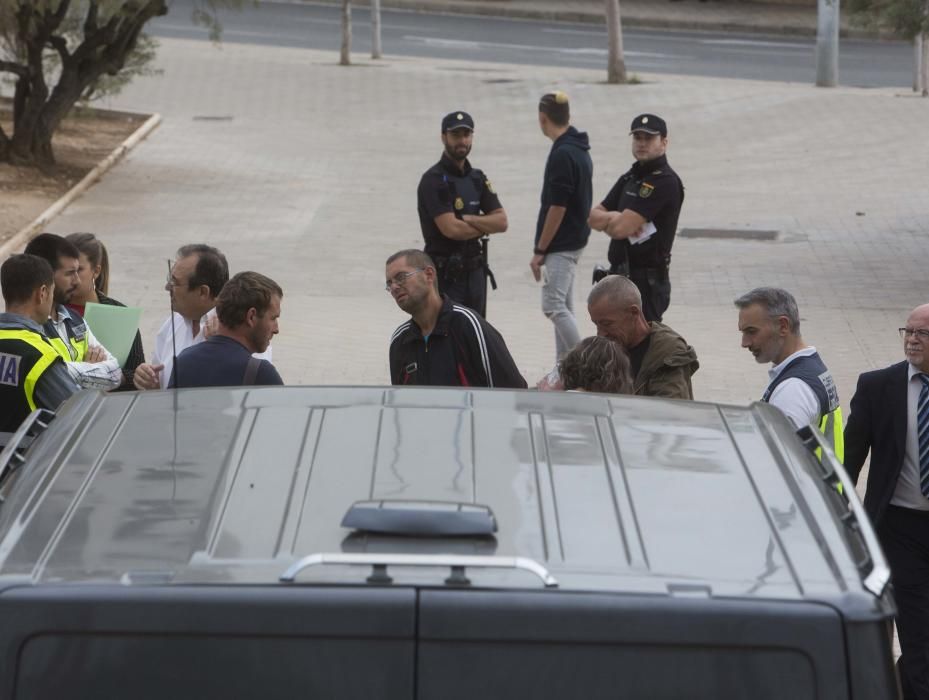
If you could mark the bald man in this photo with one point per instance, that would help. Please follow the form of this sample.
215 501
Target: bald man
662 361
890 419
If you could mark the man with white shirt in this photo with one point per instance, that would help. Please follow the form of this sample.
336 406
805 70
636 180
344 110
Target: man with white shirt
197 277
800 384
90 364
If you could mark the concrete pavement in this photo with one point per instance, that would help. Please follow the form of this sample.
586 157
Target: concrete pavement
306 171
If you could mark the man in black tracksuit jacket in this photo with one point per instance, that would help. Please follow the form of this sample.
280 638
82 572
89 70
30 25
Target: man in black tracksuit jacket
444 343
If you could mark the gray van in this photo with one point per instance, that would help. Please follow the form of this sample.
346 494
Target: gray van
436 544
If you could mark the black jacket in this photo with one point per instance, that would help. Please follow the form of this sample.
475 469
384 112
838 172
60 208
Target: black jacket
877 423
567 183
462 350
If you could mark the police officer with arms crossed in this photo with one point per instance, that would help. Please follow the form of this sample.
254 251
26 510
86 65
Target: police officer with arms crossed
32 373
800 385
640 214
458 206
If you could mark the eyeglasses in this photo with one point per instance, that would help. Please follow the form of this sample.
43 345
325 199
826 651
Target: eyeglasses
400 280
920 333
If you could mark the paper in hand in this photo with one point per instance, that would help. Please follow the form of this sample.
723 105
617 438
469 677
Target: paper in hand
643 234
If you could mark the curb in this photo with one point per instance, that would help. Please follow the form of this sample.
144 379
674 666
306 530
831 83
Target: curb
21 237
563 15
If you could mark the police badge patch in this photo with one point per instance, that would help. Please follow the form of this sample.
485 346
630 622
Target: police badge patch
646 190
490 187
459 203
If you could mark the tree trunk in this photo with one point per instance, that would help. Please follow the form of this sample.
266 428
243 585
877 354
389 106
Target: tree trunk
616 64
924 64
918 42
345 56
376 29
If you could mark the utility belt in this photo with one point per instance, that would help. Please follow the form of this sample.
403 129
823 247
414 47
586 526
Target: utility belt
652 275
456 265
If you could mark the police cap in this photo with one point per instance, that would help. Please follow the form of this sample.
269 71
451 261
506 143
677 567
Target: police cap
457 120
650 124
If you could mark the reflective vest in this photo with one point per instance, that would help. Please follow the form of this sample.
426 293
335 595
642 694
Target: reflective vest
811 370
76 348
24 357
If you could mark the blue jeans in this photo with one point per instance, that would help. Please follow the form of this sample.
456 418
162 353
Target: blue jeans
558 298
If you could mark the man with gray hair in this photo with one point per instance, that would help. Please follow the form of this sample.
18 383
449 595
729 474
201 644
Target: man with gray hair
662 362
800 385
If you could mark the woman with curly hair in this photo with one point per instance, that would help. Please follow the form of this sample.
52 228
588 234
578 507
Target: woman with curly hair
597 364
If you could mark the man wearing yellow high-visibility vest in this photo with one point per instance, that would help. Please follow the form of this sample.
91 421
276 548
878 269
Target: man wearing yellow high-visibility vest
91 365
32 373
800 384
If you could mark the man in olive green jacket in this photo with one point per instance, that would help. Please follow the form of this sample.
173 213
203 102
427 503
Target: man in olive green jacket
662 361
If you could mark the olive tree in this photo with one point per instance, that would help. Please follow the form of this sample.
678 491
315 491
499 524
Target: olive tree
59 52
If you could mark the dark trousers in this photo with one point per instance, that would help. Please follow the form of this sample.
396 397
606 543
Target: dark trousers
469 288
656 293
904 535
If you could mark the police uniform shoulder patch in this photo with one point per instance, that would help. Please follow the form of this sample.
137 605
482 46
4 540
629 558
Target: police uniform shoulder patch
459 203
646 190
490 187
9 369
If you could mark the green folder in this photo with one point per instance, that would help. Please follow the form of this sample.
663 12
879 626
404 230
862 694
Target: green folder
114 327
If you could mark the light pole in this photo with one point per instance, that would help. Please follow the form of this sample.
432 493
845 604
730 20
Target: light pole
827 43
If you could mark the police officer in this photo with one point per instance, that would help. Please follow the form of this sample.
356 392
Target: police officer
640 214
800 384
457 207
32 373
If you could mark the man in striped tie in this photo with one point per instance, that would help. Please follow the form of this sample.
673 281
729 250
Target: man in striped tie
890 418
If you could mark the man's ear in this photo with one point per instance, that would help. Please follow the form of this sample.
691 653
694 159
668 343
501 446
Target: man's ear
783 325
251 317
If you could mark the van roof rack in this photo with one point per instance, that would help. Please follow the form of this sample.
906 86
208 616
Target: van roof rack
14 454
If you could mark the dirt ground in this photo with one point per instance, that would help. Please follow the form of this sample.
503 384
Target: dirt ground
85 138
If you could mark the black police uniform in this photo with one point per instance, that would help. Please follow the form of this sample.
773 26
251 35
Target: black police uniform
461 267
654 191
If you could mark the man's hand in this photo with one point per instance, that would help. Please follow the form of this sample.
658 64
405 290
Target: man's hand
94 354
210 327
146 376
536 266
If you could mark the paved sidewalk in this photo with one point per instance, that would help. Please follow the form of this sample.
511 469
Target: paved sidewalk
307 171
714 15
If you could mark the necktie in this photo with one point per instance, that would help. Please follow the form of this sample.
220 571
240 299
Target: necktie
922 430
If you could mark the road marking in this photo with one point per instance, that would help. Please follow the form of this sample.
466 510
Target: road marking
552 30
758 43
480 45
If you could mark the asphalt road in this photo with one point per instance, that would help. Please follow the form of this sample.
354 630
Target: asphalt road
862 62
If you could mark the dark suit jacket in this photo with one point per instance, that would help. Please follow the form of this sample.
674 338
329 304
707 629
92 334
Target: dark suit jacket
878 423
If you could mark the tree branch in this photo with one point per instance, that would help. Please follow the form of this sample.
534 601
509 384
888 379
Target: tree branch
15 68
90 22
61 46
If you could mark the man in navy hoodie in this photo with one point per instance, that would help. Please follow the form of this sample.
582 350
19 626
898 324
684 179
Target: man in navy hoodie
562 230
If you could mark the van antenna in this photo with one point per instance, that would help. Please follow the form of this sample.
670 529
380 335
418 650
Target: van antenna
177 381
